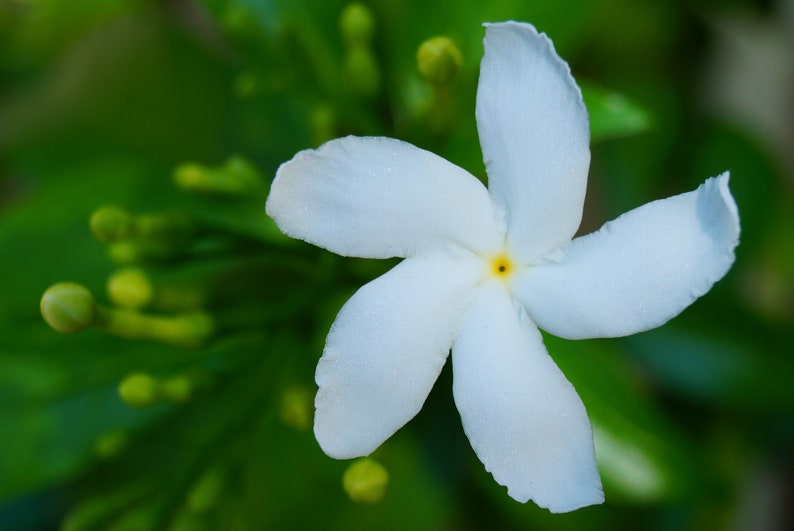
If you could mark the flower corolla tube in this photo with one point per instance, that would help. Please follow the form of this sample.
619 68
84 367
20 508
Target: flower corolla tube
484 269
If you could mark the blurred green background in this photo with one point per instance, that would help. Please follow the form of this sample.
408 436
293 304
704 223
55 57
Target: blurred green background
103 103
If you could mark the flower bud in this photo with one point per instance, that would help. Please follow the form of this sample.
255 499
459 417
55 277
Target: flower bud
362 70
356 24
68 307
365 481
130 288
322 122
139 390
236 177
138 250
177 389
186 330
297 407
438 59
110 224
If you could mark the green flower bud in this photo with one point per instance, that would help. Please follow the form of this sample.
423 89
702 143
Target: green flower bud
362 70
130 288
237 177
185 330
322 122
356 24
297 408
110 224
139 390
438 59
177 389
365 481
68 307
138 251
171 227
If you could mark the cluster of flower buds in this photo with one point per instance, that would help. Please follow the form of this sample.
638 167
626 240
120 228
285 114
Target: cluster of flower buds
144 303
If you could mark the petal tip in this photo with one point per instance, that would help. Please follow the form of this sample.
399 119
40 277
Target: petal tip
331 442
720 209
579 500
730 203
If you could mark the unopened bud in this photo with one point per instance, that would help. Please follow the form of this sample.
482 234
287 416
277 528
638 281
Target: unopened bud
356 23
362 70
139 390
297 407
68 307
138 251
177 389
110 224
236 177
439 59
130 288
365 481
322 122
187 330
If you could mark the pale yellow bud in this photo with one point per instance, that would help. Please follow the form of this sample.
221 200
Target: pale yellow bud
139 390
68 307
365 481
438 59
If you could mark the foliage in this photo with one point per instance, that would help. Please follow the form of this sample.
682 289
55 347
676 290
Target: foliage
178 113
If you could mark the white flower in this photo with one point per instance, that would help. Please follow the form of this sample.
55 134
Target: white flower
484 269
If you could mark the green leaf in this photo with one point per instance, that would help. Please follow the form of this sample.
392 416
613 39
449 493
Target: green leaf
641 456
612 114
724 371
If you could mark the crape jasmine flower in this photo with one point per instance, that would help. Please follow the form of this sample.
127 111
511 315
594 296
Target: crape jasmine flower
483 269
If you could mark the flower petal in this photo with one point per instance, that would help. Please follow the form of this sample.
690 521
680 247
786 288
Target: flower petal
639 270
385 351
535 138
379 198
523 418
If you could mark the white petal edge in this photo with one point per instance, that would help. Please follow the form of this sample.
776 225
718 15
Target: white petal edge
385 351
638 271
523 418
376 197
535 137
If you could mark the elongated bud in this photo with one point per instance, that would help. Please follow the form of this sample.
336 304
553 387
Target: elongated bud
356 24
111 223
237 177
362 70
185 330
323 124
140 251
68 307
439 59
297 407
172 226
365 481
140 390
130 288
177 389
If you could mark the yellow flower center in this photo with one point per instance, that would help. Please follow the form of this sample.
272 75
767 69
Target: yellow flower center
501 266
